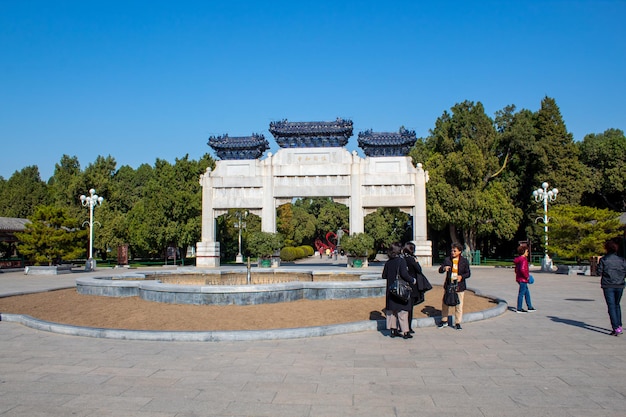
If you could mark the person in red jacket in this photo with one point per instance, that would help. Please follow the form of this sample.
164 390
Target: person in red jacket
522 277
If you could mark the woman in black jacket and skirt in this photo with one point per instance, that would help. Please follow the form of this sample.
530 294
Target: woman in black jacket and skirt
421 283
396 311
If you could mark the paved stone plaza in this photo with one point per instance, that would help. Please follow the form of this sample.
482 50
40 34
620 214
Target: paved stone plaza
559 361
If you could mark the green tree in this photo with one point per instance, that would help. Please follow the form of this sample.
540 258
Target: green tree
52 235
23 193
558 157
387 225
306 228
169 210
332 217
228 232
358 244
605 155
579 232
465 160
65 184
264 244
285 224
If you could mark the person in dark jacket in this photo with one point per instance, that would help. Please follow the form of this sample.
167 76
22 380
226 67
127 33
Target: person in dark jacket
415 271
612 269
457 271
395 311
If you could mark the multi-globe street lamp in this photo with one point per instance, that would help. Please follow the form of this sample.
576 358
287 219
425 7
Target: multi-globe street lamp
544 195
241 224
91 201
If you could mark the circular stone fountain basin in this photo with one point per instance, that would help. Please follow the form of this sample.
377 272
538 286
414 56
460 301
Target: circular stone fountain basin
225 287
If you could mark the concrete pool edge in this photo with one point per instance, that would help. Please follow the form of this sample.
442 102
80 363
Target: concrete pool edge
241 335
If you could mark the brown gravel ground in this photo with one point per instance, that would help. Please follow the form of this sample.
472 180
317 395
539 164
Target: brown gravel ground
69 307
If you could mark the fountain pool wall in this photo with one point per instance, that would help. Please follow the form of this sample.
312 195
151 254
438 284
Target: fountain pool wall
322 285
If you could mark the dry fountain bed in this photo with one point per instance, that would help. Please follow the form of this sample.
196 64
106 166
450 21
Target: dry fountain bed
69 307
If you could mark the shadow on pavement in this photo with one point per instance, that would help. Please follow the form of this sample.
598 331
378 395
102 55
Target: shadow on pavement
580 324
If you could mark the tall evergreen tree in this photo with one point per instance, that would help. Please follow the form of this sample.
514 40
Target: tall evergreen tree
23 193
558 155
465 160
605 155
52 235
65 184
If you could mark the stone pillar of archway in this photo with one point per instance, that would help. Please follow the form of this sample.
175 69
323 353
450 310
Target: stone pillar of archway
423 246
268 216
207 250
357 214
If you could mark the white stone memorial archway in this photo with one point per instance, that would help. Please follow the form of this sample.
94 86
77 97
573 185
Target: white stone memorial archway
262 185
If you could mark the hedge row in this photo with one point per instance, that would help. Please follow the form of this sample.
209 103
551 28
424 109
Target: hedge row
290 253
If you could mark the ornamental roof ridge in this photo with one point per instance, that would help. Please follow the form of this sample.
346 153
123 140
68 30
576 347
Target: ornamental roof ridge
311 134
239 147
337 126
386 143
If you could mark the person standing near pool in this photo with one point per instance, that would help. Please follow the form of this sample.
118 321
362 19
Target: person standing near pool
612 270
522 276
397 312
457 270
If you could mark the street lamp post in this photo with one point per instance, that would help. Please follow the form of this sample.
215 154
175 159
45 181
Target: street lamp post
241 224
91 201
544 195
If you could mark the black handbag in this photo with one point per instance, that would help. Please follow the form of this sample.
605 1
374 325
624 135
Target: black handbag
450 297
400 290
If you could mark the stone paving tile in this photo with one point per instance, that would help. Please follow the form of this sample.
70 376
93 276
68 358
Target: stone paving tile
170 404
119 403
197 378
14 398
356 410
576 412
209 395
438 411
312 398
64 388
229 377
127 413
491 411
52 411
279 386
265 410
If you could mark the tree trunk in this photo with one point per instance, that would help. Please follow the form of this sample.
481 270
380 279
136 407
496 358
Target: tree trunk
454 236
470 238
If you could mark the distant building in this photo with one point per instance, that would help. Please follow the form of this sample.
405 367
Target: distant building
8 227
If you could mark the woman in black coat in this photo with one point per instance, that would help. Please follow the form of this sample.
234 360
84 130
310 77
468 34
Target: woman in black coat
421 282
396 311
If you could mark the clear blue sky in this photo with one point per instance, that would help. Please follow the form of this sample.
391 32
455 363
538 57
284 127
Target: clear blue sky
140 80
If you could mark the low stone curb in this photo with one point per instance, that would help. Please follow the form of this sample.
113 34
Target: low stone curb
238 335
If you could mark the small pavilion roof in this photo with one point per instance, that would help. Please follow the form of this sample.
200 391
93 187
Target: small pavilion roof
13 224
386 143
311 134
239 147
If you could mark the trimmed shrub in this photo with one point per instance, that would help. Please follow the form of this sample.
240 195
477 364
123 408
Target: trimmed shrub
308 250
